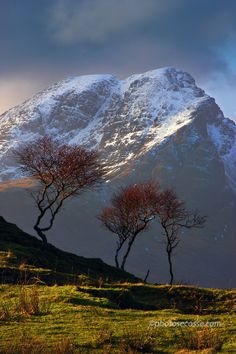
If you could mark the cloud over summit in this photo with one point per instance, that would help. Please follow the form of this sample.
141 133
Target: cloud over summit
97 20
58 38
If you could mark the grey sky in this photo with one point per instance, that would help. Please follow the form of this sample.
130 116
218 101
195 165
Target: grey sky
46 40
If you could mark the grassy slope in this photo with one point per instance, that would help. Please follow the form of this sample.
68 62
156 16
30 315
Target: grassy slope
97 324
27 259
99 319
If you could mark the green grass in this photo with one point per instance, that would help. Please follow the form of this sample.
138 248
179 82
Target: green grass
54 302
93 322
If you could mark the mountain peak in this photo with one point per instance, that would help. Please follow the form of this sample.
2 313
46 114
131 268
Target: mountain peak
124 119
165 72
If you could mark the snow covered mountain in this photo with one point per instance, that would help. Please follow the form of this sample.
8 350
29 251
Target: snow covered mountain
124 119
158 124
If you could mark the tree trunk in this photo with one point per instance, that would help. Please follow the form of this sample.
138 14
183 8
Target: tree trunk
41 235
116 258
169 249
127 253
117 253
170 267
141 228
147 275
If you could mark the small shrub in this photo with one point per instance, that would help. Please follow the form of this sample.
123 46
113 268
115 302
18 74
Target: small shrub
64 346
135 341
29 303
201 339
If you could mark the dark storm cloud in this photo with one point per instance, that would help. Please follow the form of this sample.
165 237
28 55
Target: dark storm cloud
49 39
188 31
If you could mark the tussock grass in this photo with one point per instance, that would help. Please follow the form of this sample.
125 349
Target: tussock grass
5 311
201 339
27 302
134 341
27 344
87 322
30 304
64 346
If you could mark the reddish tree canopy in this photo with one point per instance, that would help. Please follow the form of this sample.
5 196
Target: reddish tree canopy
132 209
67 168
61 170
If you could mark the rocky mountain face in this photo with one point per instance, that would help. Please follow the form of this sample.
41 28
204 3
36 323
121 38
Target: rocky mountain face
156 125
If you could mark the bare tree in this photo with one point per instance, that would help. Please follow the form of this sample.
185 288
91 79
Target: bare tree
132 209
115 222
61 171
173 216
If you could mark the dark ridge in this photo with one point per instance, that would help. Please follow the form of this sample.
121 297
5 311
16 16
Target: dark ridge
19 250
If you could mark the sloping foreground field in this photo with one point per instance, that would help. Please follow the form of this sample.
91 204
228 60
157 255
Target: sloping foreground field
118 318
55 302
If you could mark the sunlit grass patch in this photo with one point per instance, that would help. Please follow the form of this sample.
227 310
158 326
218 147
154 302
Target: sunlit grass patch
96 324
